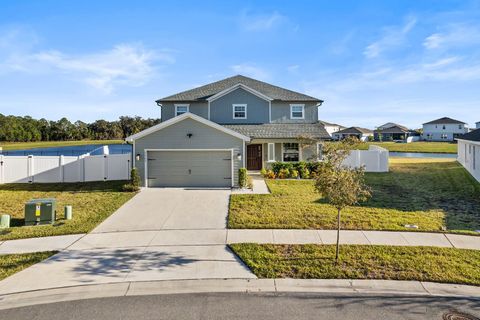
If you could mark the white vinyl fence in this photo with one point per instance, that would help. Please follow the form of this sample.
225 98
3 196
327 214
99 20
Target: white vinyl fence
375 159
44 169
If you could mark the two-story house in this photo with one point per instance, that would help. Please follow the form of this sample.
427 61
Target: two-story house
443 129
208 133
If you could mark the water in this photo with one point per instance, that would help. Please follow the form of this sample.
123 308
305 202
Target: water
422 155
94 149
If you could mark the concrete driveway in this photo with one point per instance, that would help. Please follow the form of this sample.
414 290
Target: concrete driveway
170 209
160 234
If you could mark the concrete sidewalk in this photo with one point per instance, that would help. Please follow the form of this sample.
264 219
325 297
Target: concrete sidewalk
335 286
204 237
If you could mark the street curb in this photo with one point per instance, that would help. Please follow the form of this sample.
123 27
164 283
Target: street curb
274 286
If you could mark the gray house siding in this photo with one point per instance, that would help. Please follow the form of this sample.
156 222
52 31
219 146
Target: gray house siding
281 112
198 108
175 137
221 109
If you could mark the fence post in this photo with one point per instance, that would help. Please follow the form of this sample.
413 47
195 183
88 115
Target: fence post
60 164
30 168
1 169
105 167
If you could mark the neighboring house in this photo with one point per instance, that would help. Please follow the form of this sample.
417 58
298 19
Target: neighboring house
391 132
209 132
443 129
469 152
361 133
331 128
477 125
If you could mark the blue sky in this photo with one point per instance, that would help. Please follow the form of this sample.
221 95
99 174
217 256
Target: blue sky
371 61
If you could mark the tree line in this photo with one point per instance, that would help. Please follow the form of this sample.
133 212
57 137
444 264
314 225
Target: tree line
27 129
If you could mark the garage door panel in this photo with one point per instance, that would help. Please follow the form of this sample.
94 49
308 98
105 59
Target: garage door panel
189 169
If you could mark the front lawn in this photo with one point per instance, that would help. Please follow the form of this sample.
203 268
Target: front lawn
446 265
420 146
13 263
429 193
92 203
50 144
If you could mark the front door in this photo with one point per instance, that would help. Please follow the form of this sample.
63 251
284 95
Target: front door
254 157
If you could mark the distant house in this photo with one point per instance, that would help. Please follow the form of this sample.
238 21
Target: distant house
391 132
469 152
443 129
361 133
331 128
477 125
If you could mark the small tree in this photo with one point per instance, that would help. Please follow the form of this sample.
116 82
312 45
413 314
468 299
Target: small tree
340 185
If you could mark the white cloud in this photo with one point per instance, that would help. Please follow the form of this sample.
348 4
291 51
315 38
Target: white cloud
293 68
128 64
392 37
251 70
261 22
453 35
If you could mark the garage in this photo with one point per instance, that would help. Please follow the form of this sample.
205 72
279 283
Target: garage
189 168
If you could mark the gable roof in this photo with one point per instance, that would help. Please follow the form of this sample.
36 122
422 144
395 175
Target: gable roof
182 117
445 120
355 130
471 136
281 130
389 125
394 129
328 124
211 89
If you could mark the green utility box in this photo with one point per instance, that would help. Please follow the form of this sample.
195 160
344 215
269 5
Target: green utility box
40 211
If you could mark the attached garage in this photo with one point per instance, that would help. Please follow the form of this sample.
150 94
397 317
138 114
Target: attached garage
189 168
188 151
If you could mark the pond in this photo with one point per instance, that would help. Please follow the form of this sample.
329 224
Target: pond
94 149
422 155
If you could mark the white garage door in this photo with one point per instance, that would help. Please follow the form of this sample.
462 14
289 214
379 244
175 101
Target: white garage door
189 169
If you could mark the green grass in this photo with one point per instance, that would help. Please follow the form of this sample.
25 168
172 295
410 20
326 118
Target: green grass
13 263
48 144
447 265
92 203
420 146
430 193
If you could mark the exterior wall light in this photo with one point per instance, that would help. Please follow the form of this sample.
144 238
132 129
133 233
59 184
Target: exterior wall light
137 157
239 157
189 135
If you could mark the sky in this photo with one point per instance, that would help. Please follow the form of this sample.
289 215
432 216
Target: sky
372 62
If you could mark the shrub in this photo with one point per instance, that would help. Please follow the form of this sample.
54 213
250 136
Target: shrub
263 172
277 166
294 174
313 167
242 177
270 174
304 173
134 184
283 174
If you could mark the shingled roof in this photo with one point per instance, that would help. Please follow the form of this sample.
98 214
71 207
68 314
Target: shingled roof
471 136
280 130
445 120
355 130
208 90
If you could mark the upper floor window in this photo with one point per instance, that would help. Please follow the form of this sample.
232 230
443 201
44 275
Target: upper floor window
181 109
239 111
297 111
444 127
460 127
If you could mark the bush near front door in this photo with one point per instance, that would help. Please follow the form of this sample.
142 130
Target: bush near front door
292 170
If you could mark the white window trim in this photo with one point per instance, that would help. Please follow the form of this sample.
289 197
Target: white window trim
271 155
319 148
181 105
239 105
299 152
291 111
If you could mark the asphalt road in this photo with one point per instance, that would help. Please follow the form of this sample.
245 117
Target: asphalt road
250 306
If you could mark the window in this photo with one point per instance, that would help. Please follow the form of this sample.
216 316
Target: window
291 152
239 111
444 136
444 127
181 109
271 152
297 111
460 126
